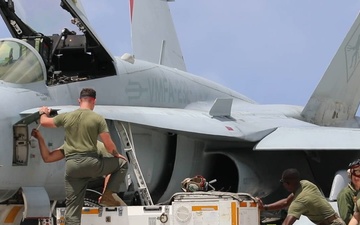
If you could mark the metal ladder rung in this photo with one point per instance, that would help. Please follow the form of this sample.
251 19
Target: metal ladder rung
128 148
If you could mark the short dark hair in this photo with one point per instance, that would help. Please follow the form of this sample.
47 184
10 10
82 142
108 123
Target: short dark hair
290 174
88 92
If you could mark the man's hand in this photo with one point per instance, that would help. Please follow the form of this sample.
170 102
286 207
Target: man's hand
36 134
260 203
118 155
44 110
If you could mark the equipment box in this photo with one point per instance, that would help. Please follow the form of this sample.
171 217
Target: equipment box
215 208
132 215
197 208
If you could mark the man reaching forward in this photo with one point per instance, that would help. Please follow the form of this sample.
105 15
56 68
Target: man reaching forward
82 128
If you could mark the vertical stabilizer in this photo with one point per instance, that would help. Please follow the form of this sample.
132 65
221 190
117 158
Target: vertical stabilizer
154 37
337 96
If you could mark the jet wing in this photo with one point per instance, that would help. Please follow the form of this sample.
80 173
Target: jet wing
271 132
179 120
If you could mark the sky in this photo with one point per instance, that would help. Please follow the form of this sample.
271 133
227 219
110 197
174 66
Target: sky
272 51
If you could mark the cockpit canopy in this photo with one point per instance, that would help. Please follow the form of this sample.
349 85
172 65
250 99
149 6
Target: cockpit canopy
19 64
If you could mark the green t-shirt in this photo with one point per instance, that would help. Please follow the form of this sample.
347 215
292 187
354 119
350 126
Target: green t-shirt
100 147
82 128
346 201
310 202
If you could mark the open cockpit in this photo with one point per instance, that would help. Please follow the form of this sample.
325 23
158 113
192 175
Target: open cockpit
66 56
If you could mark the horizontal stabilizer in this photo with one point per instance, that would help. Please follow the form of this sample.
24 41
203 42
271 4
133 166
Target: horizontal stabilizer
221 107
311 138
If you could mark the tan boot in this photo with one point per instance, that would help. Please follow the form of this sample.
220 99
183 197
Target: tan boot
109 199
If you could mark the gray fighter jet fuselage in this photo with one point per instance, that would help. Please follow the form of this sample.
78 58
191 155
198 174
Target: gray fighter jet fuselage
183 125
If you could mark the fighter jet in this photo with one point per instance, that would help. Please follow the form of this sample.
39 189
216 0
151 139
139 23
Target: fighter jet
182 124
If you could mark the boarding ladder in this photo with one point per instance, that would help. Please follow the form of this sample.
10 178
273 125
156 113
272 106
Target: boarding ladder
128 147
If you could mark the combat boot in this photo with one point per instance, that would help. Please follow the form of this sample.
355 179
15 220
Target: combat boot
111 199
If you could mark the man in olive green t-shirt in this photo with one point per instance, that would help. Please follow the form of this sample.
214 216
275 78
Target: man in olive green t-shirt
305 199
82 129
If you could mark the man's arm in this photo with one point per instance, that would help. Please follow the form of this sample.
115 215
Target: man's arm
109 145
45 120
289 220
46 154
283 203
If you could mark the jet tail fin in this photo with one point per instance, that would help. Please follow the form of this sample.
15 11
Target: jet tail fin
154 37
337 96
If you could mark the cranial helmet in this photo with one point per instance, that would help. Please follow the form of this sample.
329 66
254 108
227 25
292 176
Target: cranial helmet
354 168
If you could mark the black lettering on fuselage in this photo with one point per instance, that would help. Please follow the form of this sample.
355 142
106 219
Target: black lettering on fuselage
164 90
